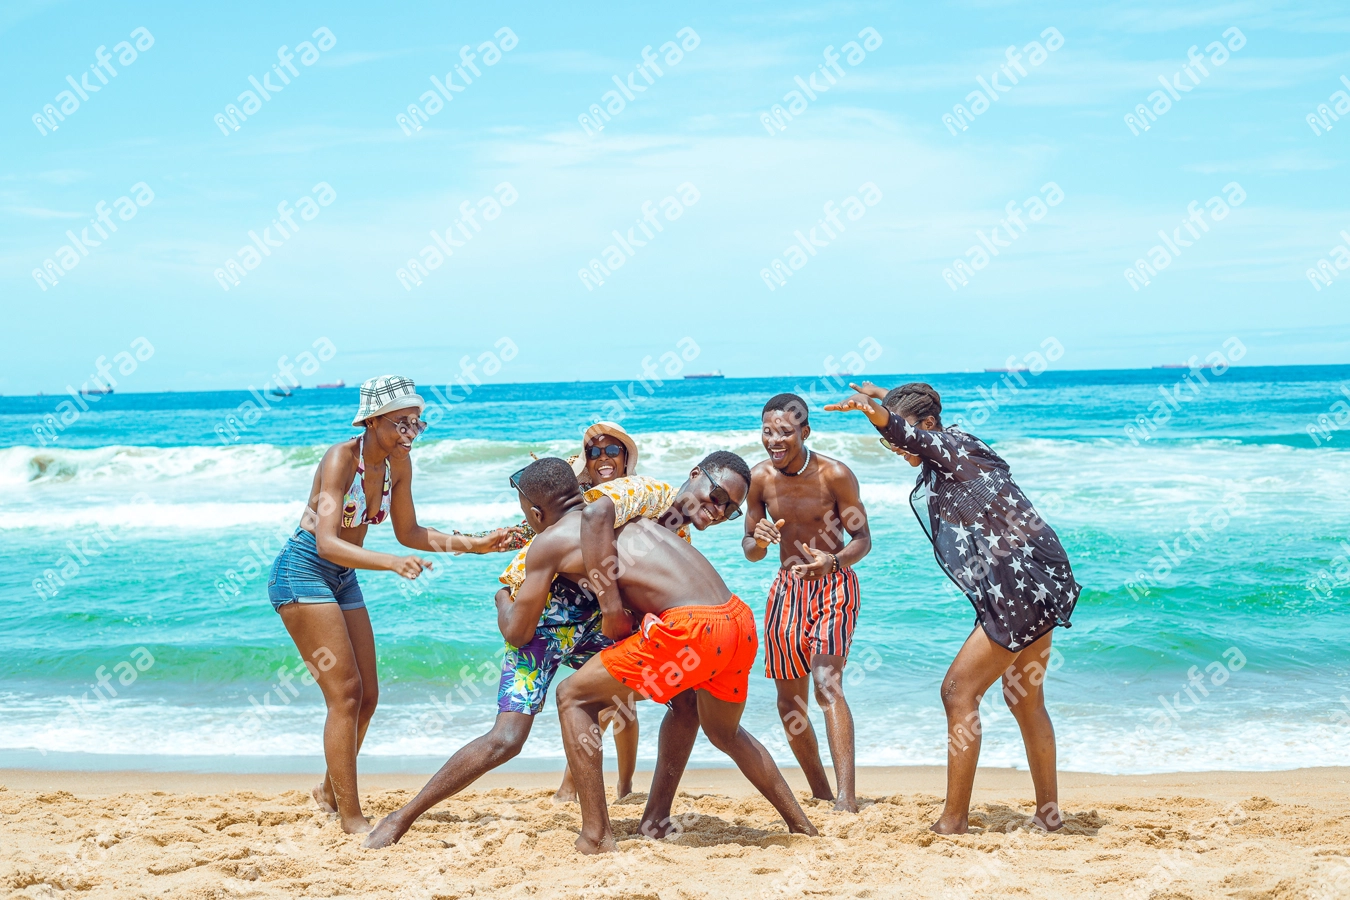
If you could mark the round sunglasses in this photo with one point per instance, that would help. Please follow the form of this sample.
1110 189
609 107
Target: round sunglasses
409 428
613 451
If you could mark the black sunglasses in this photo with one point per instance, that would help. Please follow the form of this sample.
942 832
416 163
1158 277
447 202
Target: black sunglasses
515 482
613 451
730 510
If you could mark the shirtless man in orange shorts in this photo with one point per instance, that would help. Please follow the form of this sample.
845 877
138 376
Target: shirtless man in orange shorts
694 634
808 504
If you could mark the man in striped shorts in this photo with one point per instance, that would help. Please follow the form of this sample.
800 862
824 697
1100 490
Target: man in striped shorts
808 504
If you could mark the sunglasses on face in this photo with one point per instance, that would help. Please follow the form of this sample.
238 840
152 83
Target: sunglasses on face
407 427
613 451
515 477
730 510
515 482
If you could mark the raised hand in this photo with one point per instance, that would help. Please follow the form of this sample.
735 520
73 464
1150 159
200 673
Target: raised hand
877 414
766 532
821 564
871 390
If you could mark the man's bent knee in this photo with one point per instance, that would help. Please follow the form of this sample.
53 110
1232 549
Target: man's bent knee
506 740
568 694
721 738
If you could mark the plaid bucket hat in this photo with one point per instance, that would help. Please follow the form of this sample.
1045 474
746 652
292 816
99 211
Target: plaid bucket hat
387 393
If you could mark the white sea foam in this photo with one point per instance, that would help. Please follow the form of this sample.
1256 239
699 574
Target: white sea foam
464 481
909 731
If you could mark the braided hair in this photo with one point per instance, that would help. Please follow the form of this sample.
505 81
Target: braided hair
915 399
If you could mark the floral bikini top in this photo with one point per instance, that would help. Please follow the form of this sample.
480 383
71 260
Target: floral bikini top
354 502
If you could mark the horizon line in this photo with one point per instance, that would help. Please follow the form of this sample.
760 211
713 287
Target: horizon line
1168 367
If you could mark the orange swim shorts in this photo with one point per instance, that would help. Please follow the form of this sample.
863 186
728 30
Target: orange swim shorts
711 648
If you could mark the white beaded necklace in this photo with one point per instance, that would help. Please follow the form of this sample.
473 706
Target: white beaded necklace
804 465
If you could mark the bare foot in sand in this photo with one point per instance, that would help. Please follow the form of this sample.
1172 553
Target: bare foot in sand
1048 818
390 829
952 825
567 791
323 796
356 825
657 829
846 804
623 790
590 847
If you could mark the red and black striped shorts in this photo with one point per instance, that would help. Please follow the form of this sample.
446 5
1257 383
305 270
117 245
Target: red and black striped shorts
805 617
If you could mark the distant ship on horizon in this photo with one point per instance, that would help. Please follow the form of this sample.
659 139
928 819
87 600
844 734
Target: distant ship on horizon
715 373
1183 366
337 384
95 392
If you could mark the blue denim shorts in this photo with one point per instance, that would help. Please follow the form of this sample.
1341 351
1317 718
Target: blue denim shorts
300 575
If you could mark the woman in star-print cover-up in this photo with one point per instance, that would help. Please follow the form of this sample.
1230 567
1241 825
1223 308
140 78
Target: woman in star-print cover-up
993 545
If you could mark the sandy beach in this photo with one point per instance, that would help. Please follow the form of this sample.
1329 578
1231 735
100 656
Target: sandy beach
1190 835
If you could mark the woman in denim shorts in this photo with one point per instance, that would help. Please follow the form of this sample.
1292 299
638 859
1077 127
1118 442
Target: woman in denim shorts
360 482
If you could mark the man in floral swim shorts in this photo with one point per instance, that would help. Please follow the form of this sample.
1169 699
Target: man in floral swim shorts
567 631
694 635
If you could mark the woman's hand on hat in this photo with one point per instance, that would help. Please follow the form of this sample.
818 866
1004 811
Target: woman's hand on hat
410 566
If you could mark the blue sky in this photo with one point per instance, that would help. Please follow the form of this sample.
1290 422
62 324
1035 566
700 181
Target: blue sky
698 123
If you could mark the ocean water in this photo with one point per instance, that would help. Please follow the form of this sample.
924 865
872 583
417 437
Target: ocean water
160 532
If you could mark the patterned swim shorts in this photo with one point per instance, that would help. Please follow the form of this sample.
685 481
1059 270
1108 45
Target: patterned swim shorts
527 671
808 616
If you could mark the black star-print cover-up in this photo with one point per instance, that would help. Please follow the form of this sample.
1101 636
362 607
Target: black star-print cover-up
987 536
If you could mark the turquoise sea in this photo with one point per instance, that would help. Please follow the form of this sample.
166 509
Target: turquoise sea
138 541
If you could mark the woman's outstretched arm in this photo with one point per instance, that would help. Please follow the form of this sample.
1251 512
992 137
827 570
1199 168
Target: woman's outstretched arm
938 447
403 514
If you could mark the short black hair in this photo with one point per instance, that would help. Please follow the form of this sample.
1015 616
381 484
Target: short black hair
548 481
791 404
726 461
